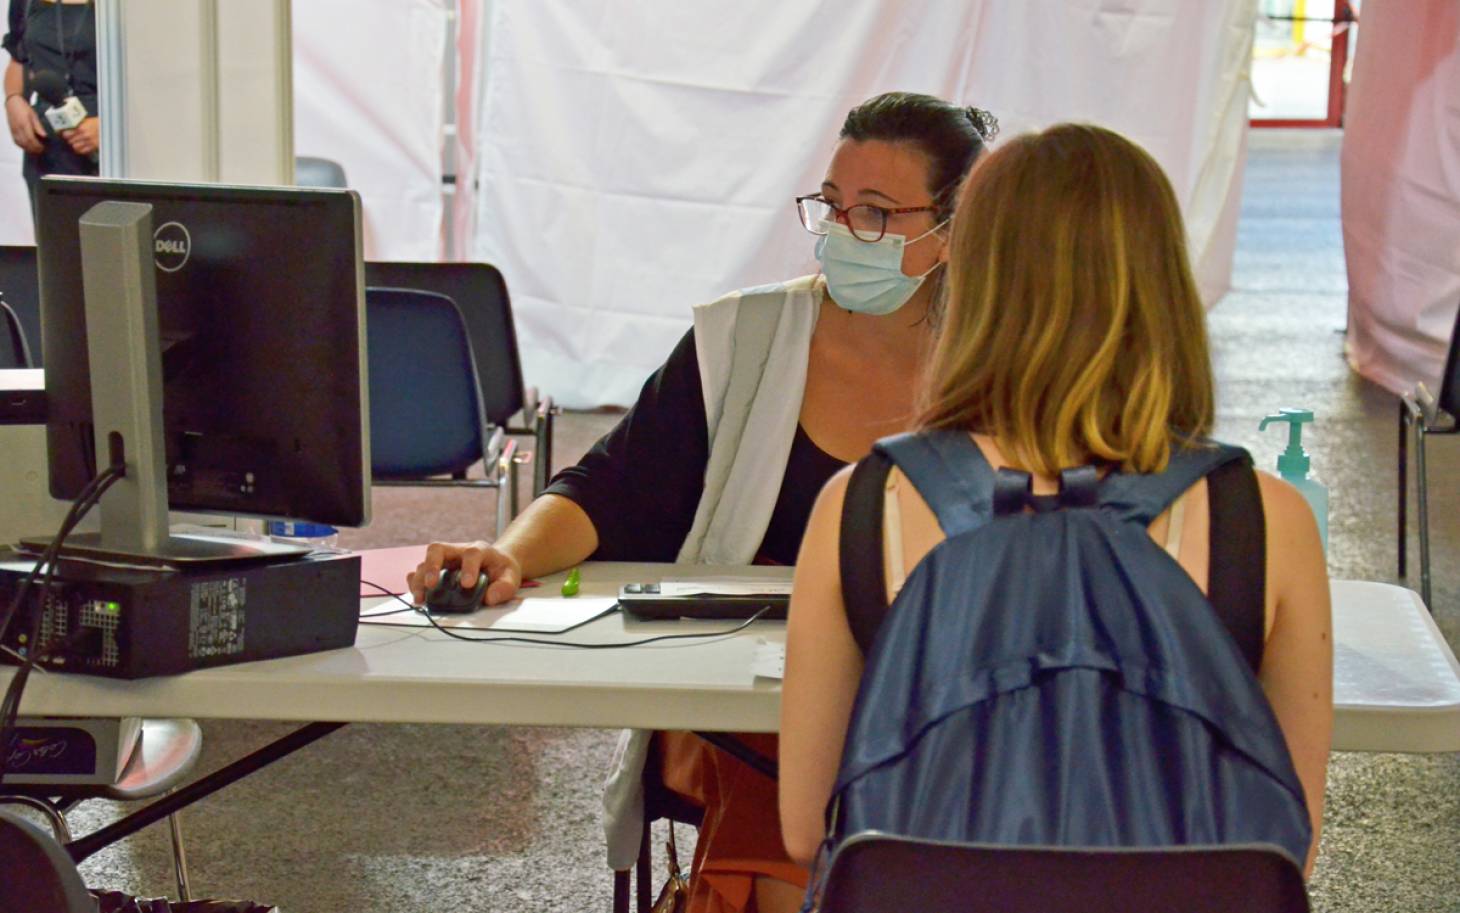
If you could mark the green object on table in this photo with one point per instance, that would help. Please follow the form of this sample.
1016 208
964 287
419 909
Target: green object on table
570 586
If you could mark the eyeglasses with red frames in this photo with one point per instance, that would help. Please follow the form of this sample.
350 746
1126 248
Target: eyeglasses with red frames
866 222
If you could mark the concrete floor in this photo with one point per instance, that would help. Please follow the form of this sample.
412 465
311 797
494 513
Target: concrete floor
460 818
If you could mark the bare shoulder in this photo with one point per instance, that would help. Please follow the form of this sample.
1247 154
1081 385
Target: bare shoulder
1287 512
822 539
1297 571
835 489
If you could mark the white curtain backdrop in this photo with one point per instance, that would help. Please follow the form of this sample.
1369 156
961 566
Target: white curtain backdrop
368 93
1401 191
15 224
639 156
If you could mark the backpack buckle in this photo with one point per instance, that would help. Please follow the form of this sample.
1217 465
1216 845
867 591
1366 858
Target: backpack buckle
1079 487
1014 491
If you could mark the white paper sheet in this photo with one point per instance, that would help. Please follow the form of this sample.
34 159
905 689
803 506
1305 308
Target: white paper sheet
769 660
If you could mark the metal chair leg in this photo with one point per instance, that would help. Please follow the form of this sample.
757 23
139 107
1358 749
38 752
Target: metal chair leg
621 891
500 520
59 827
512 497
505 475
643 879
179 858
1423 499
1403 486
542 455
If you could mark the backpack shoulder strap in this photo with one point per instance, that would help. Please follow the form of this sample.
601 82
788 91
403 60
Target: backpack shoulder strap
949 471
864 584
1141 497
952 476
1237 576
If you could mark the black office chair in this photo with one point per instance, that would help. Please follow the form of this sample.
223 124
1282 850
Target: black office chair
480 292
427 422
879 873
36 873
20 287
14 352
1426 416
310 171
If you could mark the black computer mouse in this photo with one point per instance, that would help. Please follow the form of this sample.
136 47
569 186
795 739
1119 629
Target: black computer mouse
448 597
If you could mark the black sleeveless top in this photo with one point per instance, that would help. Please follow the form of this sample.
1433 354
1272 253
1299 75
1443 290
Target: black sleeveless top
807 471
641 483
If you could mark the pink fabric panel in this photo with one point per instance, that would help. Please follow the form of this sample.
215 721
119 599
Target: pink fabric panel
470 23
1401 191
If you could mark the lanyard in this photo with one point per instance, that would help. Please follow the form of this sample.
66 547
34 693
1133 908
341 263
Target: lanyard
61 33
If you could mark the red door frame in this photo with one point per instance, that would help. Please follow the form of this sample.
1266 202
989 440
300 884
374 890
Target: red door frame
1343 18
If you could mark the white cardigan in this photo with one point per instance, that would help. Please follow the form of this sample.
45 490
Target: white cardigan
753 347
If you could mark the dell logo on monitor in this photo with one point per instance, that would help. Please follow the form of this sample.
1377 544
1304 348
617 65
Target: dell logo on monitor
171 245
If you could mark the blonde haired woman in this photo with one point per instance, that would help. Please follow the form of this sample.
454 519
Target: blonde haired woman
1074 335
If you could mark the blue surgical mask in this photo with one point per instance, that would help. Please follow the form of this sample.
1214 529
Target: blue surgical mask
867 277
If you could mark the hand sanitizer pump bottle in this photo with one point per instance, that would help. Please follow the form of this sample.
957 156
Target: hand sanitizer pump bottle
1293 464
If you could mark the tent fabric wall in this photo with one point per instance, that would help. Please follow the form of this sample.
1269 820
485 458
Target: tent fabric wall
637 158
1401 191
368 87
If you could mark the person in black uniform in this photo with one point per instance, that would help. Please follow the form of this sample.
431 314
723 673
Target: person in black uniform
58 37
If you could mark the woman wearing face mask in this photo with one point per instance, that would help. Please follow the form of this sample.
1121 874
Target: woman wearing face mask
791 382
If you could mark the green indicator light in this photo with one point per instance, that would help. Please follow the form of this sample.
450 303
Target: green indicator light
111 608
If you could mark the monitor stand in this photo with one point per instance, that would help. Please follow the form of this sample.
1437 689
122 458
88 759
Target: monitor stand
120 285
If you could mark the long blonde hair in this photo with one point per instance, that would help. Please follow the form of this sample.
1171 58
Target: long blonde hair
1074 330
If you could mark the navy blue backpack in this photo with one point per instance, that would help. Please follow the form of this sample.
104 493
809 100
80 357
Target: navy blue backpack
1054 677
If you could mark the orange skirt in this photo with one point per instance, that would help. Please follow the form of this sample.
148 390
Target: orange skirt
740 839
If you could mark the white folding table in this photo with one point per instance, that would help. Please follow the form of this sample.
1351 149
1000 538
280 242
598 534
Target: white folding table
1396 682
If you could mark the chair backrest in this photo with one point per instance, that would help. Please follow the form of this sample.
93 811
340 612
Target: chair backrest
1449 398
20 282
317 172
481 294
878 873
425 412
14 353
36 873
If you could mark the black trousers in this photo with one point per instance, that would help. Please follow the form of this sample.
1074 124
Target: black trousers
56 158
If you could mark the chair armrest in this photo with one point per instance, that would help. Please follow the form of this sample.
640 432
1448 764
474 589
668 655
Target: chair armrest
494 439
530 408
543 409
1422 408
506 456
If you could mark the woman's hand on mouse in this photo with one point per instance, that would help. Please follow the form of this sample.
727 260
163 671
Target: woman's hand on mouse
472 559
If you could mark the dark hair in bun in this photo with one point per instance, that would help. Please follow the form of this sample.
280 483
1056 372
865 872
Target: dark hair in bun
951 136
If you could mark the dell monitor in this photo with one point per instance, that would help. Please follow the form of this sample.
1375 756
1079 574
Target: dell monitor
256 341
